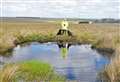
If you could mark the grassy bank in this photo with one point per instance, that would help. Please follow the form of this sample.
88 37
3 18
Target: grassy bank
100 35
29 71
112 71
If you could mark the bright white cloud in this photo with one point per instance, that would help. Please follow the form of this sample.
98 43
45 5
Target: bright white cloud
62 8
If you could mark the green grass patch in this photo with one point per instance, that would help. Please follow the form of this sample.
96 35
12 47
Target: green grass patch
30 71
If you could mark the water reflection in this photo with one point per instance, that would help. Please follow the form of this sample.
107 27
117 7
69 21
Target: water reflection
64 48
76 62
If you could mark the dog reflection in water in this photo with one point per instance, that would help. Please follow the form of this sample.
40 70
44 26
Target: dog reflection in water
64 47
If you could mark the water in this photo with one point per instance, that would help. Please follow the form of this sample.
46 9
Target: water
76 62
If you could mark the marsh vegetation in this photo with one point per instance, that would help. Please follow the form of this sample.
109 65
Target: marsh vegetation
105 37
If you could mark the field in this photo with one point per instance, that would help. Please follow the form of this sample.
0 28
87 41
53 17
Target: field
11 30
102 36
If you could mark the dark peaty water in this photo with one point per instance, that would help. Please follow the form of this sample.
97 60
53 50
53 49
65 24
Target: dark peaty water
76 62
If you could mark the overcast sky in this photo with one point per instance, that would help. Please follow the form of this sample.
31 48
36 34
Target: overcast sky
61 8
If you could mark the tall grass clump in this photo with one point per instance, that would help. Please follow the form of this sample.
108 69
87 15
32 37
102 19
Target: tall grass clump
33 37
111 72
29 71
5 49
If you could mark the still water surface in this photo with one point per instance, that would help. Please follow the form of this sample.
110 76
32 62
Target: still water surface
76 62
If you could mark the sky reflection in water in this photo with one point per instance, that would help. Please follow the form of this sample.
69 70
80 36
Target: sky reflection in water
76 62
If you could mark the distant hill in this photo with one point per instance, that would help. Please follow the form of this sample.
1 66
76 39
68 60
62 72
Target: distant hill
38 19
107 20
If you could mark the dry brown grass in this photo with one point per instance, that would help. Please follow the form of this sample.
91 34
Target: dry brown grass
10 29
8 73
112 71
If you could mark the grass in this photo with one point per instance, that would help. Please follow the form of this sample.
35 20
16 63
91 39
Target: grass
104 37
6 49
19 32
29 71
82 31
33 37
112 71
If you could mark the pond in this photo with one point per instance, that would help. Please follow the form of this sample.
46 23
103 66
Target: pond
76 62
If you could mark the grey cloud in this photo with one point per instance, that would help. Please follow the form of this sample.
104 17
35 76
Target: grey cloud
62 8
